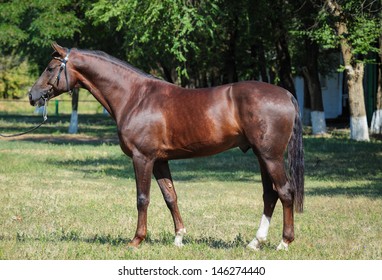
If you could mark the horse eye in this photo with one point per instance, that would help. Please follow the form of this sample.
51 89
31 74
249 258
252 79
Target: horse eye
49 69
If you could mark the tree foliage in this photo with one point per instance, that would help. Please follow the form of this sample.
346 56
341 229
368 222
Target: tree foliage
37 22
156 31
15 76
193 42
363 21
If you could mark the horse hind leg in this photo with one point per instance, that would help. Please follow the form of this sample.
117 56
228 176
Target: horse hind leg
276 170
270 198
163 176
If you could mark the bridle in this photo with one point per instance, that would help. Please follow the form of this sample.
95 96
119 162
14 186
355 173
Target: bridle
45 96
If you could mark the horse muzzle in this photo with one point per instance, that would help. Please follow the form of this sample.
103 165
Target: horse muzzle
39 98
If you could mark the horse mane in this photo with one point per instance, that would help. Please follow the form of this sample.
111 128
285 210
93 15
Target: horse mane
118 62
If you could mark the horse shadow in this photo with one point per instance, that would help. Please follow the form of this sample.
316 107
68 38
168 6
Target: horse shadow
167 239
164 239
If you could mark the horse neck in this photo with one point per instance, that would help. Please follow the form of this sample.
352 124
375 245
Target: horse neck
115 86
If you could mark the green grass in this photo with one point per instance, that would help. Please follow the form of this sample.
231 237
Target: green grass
73 197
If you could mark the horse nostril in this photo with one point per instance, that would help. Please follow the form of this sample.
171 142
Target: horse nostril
31 99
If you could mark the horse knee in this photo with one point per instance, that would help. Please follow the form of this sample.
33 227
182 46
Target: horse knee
143 201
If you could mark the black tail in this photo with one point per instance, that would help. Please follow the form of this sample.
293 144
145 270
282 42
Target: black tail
296 161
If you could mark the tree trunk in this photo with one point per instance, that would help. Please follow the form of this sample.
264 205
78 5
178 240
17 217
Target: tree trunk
258 52
284 61
73 127
6 89
358 121
167 73
230 72
307 116
354 71
310 72
284 66
376 122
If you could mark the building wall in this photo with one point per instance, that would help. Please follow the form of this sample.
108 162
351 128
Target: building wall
331 94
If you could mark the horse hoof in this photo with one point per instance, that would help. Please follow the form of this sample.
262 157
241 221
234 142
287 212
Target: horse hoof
179 244
132 247
254 245
282 246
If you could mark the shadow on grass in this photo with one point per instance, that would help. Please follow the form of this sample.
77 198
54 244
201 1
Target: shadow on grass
97 127
372 190
72 236
218 243
165 239
342 159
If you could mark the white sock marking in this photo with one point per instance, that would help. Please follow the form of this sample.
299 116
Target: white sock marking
261 235
282 246
179 237
262 232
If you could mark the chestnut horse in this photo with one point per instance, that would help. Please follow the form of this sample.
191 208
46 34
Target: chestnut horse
158 121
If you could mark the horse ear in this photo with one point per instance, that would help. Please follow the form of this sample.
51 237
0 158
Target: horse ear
59 51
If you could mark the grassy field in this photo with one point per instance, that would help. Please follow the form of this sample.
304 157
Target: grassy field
73 197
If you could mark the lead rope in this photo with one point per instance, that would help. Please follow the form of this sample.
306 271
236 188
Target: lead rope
45 117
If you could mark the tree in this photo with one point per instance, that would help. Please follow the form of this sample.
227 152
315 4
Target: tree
29 26
310 47
312 80
356 31
376 123
280 10
16 75
73 126
156 32
261 41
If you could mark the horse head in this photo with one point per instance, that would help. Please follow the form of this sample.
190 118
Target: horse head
56 79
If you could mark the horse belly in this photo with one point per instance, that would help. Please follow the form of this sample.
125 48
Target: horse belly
200 149
203 140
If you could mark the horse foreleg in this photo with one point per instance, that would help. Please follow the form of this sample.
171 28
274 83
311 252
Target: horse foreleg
270 197
143 169
164 179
